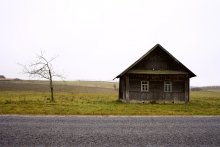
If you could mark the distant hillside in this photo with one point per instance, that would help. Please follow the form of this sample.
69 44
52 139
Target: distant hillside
72 86
3 78
211 88
59 86
206 88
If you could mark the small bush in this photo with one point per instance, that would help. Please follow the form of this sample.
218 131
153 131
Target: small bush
7 101
153 102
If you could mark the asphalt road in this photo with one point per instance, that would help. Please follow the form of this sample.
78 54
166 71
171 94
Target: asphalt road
109 131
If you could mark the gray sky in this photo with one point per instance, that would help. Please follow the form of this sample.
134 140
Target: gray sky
98 39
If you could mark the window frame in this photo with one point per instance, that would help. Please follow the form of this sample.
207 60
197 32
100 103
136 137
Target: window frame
144 86
168 86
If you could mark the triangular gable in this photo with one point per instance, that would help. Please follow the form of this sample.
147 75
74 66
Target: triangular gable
191 74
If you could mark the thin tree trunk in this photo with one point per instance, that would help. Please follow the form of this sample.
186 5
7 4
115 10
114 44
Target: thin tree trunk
43 69
51 90
51 87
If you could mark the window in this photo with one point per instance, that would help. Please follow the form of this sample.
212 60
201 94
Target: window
144 86
167 86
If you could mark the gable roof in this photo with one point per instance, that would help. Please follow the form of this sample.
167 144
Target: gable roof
191 74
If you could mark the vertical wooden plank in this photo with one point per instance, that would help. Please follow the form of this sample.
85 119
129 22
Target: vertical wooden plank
186 90
120 91
127 87
123 88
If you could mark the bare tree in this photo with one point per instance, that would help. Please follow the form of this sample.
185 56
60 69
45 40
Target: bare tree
42 68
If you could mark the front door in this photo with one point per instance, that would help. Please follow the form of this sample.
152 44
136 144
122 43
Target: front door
156 91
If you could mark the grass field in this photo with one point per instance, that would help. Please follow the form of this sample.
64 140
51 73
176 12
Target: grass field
95 99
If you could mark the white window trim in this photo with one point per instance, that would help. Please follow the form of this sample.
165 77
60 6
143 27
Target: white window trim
144 86
168 86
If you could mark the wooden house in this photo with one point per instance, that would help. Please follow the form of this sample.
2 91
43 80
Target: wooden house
156 77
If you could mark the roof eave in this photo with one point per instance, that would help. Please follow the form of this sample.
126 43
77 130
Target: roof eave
191 74
132 65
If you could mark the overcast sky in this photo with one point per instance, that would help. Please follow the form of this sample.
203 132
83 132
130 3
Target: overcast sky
98 39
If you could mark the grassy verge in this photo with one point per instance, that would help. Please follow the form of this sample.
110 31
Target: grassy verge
27 102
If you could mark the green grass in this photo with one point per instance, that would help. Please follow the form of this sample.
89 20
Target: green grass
29 102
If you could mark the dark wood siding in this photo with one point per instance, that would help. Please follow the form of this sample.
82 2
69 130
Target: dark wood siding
156 76
121 85
158 60
156 88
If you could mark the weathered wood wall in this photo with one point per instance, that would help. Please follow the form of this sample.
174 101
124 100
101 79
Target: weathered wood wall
130 88
161 64
158 60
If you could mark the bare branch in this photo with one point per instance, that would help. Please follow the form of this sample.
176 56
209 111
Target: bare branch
37 63
52 59
42 68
